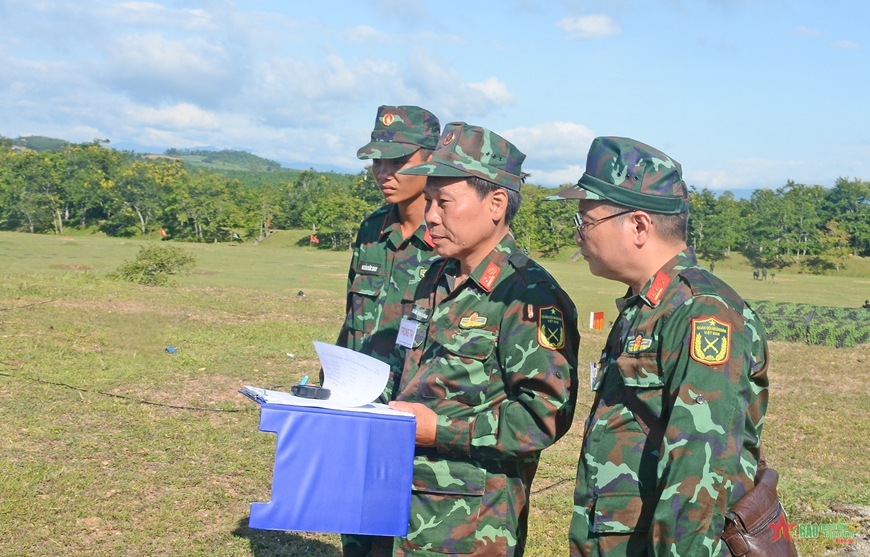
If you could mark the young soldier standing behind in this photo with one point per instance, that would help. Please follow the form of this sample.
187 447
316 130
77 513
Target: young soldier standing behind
392 250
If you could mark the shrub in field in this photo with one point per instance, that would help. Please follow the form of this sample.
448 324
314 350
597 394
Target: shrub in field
826 326
154 264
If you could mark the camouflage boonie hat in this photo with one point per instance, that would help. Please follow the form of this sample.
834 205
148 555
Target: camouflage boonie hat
399 131
632 174
465 150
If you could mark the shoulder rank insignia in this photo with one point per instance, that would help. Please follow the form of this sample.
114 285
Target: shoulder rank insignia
657 288
489 276
639 344
473 321
551 328
711 341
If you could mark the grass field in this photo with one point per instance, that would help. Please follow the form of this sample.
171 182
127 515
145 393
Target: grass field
87 473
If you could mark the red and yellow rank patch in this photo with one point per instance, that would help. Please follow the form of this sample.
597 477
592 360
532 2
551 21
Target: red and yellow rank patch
489 276
551 328
711 341
388 119
657 288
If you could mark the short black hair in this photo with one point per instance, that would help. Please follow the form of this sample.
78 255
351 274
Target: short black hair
484 187
670 228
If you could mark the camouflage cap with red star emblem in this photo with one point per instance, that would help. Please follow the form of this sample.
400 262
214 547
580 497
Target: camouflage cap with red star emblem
466 150
631 174
399 131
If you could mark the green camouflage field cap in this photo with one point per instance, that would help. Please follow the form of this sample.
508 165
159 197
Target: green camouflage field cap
632 174
399 131
465 150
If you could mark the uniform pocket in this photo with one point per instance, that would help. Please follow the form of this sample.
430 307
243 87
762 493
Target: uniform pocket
622 513
446 498
460 371
642 372
364 293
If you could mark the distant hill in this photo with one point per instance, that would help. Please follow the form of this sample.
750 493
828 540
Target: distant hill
40 143
225 159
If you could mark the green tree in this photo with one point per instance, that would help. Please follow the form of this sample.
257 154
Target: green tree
849 203
555 224
337 217
835 248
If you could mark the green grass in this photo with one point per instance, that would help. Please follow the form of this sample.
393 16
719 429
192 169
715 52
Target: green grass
88 474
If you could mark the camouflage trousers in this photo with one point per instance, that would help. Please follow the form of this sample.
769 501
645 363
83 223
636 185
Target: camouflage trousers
634 544
383 546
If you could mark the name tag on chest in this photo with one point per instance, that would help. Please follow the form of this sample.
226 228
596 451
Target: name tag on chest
407 332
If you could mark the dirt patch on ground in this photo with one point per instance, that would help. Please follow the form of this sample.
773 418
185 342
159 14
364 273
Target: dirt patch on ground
72 267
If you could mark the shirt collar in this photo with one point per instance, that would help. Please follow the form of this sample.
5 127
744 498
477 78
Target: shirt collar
652 292
392 230
488 271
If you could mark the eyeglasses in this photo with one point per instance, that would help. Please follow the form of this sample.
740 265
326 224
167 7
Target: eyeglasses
583 227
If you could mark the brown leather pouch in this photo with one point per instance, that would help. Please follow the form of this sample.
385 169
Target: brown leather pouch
756 524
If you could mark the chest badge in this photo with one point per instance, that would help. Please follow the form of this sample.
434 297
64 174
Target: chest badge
639 344
551 328
370 268
473 321
711 341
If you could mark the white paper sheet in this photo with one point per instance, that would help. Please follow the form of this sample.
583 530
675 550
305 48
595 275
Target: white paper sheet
280 397
354 380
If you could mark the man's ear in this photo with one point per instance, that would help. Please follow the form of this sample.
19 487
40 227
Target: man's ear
498 204
643 225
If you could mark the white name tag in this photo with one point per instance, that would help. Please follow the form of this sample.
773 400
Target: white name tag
407 333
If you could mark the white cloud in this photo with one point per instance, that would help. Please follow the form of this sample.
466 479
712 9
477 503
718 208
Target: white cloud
365 34
558 177
149 14
152 69
589 27
182 116
848 45
748 173
564 142
808 32
494 90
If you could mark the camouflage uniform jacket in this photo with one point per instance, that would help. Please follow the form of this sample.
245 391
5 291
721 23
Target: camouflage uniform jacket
496 358
383 267
688 356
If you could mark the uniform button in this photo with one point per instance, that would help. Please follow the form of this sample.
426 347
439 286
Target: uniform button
558 374
700 399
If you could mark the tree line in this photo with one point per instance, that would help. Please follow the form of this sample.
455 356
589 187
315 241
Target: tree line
90 186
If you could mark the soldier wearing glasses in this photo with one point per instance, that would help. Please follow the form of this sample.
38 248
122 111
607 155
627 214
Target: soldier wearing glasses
681 390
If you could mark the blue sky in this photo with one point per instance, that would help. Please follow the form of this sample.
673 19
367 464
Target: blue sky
744 94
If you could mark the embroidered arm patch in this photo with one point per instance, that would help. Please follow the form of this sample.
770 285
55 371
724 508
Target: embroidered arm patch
551 328
711 341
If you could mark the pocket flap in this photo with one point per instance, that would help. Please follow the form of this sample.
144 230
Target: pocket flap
640 371
475 344
622 512
367 285
449 477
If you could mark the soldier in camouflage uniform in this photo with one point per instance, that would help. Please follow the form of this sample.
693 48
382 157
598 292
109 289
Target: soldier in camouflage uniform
673 438
392 250
491 364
